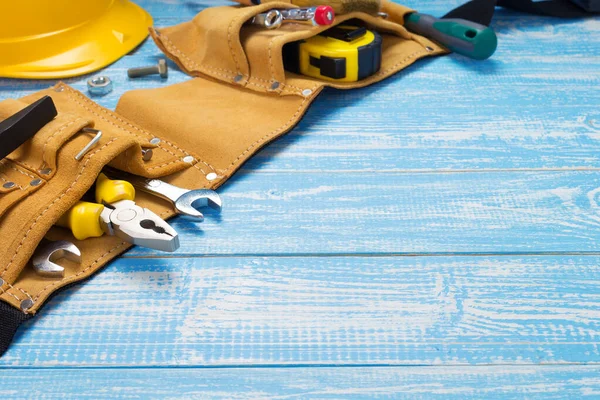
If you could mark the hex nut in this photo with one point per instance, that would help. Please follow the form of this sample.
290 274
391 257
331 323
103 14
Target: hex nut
100 85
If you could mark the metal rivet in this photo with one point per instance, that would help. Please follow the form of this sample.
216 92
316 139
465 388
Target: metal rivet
429 48
59 89
212 176
147 154
1 282
306 92
155 141
382 14
188 159
26 304
9 185
274 85
238 78
46 171
35 182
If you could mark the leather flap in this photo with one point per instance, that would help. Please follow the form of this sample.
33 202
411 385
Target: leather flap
223 124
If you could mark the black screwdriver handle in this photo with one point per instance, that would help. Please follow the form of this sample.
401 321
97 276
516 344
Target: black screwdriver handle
22 126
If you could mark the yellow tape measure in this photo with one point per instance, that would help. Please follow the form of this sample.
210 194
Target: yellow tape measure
341 54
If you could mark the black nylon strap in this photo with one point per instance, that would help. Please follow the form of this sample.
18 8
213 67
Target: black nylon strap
482 11
10 319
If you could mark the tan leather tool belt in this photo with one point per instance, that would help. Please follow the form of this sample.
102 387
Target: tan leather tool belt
201 131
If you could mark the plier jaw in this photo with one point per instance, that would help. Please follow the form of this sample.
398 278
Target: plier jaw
139 226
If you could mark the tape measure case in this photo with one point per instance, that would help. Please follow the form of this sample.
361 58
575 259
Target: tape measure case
342 54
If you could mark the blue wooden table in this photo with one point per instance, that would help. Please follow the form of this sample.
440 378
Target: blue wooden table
434 235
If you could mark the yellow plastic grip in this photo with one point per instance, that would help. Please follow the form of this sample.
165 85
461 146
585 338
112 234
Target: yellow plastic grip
110 191
84 220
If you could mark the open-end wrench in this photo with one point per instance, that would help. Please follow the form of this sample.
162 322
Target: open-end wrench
48 252
186 202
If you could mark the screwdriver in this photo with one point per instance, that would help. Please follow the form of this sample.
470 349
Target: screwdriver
459 35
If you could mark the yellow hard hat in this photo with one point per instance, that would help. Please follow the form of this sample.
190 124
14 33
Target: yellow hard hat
43 39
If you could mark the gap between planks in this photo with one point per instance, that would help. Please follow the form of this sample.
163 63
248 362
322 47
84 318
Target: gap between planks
293 365
415 171
363 255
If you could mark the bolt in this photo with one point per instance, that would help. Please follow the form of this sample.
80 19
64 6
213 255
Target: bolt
161 69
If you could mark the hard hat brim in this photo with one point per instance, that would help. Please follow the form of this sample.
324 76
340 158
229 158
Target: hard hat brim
77 51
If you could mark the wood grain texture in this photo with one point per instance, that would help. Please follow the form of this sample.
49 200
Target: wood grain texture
308 311
549 382
308 269
424 213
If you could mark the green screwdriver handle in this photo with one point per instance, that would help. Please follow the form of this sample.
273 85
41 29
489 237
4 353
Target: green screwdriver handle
458 35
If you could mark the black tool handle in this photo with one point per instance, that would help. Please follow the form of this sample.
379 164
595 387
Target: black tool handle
22 126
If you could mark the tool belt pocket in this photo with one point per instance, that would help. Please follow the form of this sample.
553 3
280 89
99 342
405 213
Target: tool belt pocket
39 154
47 175
29 168
243 97
221 43
16 183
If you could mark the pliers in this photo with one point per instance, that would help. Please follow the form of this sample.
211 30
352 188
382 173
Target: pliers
116 214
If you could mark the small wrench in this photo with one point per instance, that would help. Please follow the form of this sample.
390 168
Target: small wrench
48 252
270 20
186 202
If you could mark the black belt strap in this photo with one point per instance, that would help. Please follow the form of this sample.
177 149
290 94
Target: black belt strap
482 11
10 319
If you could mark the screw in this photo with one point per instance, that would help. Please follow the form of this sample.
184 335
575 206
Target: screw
161 69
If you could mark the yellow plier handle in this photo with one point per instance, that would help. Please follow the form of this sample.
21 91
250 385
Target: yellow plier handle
84 218
110 191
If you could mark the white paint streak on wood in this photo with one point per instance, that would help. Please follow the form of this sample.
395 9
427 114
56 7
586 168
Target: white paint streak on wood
323 311
452 155
549 382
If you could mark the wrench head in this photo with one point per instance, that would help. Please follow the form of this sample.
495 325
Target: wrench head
49 252
188 204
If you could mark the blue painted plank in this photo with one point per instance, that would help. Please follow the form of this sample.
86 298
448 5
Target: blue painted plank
341 183
549 382
327 311
331 213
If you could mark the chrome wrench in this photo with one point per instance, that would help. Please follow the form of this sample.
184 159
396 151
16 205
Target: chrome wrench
48 252
186 202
